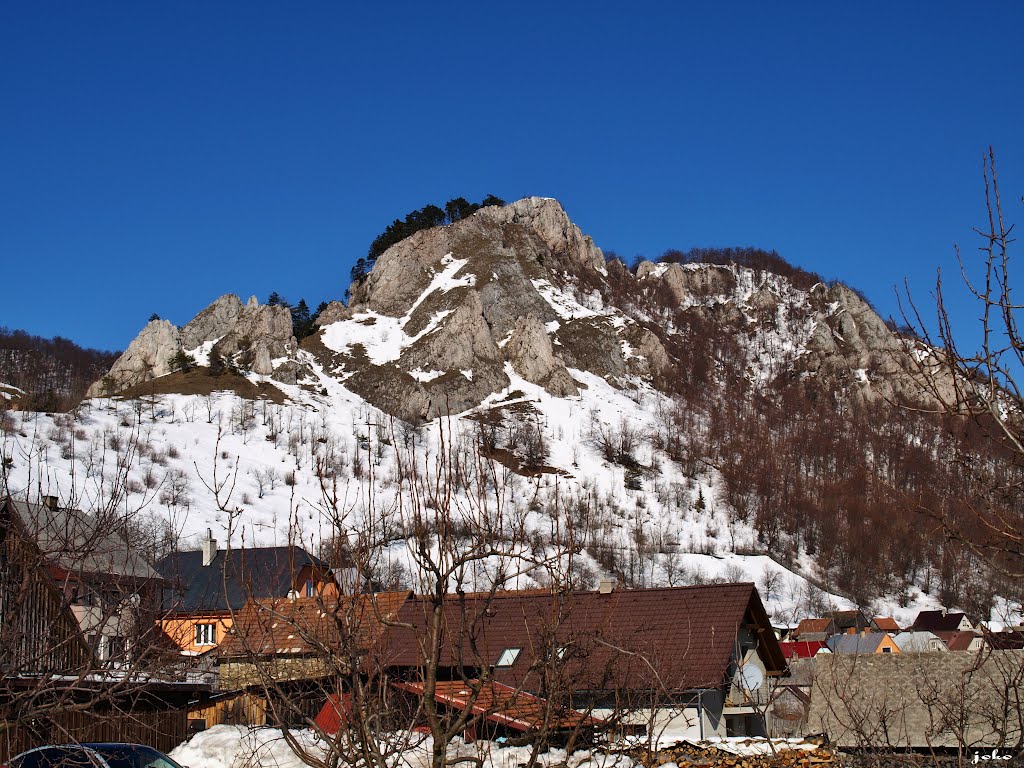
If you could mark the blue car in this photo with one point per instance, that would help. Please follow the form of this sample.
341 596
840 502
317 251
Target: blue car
93 756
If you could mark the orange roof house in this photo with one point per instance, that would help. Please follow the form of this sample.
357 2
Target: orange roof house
886 624
814 629
207 587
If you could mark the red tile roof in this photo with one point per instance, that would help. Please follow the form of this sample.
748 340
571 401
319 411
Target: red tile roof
502 704
309 625
673 639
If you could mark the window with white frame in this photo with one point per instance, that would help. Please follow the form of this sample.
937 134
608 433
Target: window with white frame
508 657
206 634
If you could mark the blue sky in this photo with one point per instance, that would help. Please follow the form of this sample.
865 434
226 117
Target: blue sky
156 156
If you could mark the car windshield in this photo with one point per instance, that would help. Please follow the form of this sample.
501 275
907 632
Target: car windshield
133 756
55 757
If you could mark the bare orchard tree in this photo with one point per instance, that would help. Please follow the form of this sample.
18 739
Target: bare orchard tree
981 385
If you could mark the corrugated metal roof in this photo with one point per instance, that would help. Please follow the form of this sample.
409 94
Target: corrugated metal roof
866 642
801 649
80 543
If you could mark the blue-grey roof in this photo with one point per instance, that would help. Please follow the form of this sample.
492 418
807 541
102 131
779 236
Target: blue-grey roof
233 577
858 643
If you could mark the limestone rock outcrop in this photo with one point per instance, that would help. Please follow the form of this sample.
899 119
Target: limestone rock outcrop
147 357
519 291
262 333
532 356
334 312
213 322
252 334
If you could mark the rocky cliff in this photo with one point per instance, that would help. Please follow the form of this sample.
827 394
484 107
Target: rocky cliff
447 313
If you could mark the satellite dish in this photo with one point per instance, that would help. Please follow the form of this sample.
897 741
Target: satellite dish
751 677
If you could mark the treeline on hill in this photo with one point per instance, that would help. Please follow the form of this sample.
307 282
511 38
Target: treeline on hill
54 373
857 486
424 218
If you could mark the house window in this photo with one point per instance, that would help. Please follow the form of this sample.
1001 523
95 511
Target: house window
887 650
508 657
117 647
310 589
206 634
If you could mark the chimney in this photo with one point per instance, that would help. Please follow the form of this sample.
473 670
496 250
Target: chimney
209 547
606 585
51 502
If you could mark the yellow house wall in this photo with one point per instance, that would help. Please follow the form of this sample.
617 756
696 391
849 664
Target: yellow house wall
182 630
888 642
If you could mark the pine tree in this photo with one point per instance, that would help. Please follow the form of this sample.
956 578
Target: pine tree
302 323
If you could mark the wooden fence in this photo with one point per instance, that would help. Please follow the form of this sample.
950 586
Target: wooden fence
162 729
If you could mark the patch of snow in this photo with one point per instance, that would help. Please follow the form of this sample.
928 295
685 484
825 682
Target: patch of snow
201 354
420 375
658 271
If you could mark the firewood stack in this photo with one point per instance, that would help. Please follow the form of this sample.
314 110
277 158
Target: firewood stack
685 755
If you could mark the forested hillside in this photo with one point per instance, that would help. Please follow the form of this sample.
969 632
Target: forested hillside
54 373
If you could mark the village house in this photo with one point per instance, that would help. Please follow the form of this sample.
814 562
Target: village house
691 661
885 624
285 657
919 641
111 590
68 585
850 622
962 641
802 649
1007 640
942 621
814 630
207 587
863 642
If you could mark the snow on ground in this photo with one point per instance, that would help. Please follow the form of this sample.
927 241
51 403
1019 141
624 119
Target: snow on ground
233 746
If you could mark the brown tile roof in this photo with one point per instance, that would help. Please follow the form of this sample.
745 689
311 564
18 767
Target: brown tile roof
674 639
309 625
938 621
957 641
1010 639
502 704
886 624
812 626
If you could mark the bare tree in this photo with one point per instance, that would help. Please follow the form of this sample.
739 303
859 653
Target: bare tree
981 385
